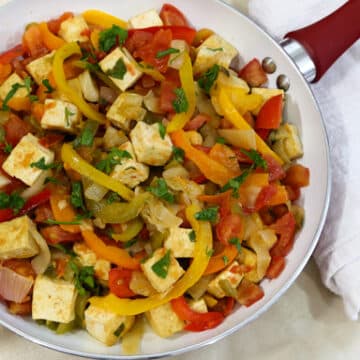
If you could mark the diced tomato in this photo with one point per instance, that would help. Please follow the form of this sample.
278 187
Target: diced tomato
51 139
276 267
279 211
36 200
195 321
22 309
225 305
6 214
275 170
54 24
249 293
119 280
167 94
54 234
293 192
231 226
266 216
297 176
170 15
43 212
265 194
263 133
15 129
197 122
253 73
138 39
8 56
270 115
205 149
241 157
285 228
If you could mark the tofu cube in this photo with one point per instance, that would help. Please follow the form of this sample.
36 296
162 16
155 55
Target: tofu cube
146 19
7 85
106 326
164 320
132 73
40 68
88 86
234 279
176 60
126 107
174 271
198 306
179 242
74 29
60 115
16 239
88 258
214 50
26 152
53 300
150 148
140 285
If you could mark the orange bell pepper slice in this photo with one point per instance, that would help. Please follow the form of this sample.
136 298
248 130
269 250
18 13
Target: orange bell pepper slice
51 41
224 155
221 260
212 169
5 71
111 253
20 104
63 211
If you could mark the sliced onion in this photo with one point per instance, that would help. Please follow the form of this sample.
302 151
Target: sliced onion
41 261
37 186
245 139
14 287
152 102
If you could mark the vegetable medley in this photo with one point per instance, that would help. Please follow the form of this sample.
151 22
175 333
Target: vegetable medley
141 174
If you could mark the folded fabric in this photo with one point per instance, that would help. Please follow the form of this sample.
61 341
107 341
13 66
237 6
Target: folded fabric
338 252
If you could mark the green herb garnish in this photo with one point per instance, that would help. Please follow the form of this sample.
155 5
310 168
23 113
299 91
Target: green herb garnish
192 236
161 190
234 183
119 330
130 243
76 197
169 51
209 252
113 197
179 154
64 249
10 95
7 148
13 201
118 71
235 241
110 37
114 157
52 180
181 103
207 80
255 156
68 114
84 278
161 267
54 222
220 140
216 49
49 88
208 214
40 164
162 130
86 137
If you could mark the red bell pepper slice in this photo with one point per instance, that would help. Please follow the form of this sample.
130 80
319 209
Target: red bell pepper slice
36 200
276 267
6 214
196 321
8 56
55 234
270 114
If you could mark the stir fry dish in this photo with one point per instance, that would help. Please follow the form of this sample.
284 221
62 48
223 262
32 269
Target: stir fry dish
143 175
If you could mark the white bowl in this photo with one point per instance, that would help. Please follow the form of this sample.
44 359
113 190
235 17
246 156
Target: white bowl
301 109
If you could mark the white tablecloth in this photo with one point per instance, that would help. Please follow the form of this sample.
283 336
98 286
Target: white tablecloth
307 322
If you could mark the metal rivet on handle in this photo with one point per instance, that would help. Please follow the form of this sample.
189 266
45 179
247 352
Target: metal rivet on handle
283 82
268 64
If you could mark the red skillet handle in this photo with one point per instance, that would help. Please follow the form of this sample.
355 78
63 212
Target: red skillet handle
326 40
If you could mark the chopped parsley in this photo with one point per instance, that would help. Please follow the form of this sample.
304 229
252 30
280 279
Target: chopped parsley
161 190
209 252
68 114
225 259
52 180
162 130
235 241
13 201
161 267
169 51
54 222
181 103
76 197
119 330
84 278
7 148
41 164
49 88
33 98
113 197
215 49
220 140
118 71
179 154
255 156
207 80
114 157
234 183
86 137
130 243
10 95
110 37
64 249
192 236
208 214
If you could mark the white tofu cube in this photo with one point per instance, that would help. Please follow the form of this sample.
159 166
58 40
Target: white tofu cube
7 85
26 152
88 86
60 115
176 59
164 320
234 279
173 273
179 242
40 68
140 285
132 73
146 19
150 148
198 306
88 258
214 50
126 107
106 326
53 300
74 29
16 239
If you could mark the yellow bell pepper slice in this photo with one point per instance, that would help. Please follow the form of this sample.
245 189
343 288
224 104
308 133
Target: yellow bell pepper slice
187 83
232 115
103 19
133 228
76 162
58 71
193 274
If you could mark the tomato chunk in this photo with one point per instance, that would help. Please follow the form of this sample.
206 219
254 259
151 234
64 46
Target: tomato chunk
55 234
170 15
231 226
276 267
119 281
297 176
270 115
15 129
249 293
253 73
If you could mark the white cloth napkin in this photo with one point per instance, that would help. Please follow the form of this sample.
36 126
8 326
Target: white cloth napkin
338 94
